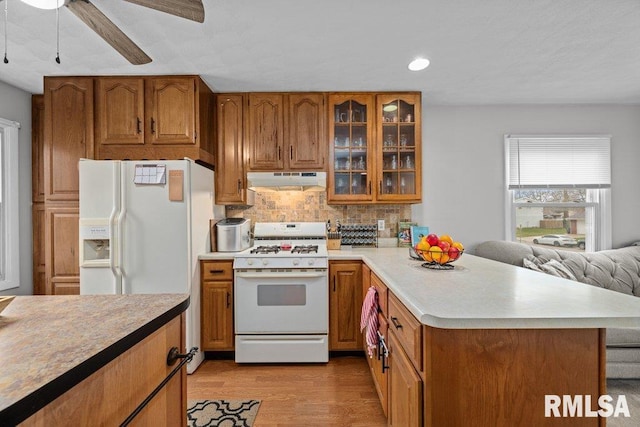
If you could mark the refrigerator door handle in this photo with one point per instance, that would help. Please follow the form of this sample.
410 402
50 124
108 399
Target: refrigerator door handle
118 204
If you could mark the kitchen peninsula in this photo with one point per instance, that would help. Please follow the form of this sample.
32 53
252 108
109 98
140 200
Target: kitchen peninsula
483 344
84 359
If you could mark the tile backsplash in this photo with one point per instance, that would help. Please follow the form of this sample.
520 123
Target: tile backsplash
283 206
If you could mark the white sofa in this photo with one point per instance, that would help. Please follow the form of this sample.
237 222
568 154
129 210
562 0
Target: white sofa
616 269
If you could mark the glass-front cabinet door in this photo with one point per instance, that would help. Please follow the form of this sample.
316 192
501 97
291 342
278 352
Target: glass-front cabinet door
398 147
351 118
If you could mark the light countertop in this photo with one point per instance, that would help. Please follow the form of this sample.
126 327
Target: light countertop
482 293
48 344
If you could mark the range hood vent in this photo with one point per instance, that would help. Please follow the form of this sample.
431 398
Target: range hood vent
287 181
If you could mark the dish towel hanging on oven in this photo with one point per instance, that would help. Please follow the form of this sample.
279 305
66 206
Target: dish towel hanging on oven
369 319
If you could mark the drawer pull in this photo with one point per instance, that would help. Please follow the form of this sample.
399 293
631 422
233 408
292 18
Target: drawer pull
216 271
395 322
172 357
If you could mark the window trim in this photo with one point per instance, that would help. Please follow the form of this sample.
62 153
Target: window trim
10 221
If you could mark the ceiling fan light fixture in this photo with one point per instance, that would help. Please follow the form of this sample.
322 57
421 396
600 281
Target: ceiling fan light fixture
45 4
419 64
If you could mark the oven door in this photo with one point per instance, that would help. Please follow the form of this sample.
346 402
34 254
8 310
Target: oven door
281 302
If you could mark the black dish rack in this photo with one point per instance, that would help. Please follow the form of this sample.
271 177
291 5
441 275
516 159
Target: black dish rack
363 235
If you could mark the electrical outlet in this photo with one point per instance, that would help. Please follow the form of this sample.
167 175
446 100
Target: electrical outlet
380 224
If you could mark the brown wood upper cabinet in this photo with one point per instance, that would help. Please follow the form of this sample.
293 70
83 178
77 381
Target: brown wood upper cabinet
285 131
68 134
230 178
374 148
167 117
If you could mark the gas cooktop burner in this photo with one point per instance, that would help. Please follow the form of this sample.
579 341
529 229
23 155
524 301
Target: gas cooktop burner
273 249
305 249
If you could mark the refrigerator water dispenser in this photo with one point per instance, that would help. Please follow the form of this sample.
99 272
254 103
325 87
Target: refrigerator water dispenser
95 244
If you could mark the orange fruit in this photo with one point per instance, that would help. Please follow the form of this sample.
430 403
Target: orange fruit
444 258
425 253
458 245
436 253
446 238
423 245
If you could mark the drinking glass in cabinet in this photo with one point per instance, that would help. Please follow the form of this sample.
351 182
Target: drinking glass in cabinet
404 139
389 184
408 163
341 185
388 140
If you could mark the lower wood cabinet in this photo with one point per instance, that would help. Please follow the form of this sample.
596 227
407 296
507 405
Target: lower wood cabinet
378 362
39 276
405 388
217 305
345 304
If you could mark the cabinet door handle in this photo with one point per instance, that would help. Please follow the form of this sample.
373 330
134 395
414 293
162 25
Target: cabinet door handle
384 352
153 130
369 187
139 128
334 283
291 153
380 187
228 299
239 186
395 322
279 153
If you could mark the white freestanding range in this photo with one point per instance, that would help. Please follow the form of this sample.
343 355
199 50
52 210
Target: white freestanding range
281 295
142 226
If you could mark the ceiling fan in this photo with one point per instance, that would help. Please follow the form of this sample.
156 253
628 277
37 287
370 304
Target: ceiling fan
105 28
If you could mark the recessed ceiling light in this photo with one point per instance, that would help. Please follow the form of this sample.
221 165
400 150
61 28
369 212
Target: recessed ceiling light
44 4
418 64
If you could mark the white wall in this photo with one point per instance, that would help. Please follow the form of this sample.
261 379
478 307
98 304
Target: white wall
463 163
15 104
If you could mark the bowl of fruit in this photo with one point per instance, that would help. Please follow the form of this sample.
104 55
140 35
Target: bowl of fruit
438 251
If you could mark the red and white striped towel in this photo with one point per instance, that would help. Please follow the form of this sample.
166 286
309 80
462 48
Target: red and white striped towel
369 319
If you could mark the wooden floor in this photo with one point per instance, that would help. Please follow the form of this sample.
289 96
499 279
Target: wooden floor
339 393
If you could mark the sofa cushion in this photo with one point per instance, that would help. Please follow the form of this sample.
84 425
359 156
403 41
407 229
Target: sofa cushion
623 337
552 266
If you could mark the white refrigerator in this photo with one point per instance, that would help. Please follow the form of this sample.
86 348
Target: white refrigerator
142 226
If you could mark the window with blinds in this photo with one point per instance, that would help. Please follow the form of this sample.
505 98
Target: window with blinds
558 191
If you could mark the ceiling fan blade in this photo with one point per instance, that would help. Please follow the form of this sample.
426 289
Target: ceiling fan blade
189 9
106 29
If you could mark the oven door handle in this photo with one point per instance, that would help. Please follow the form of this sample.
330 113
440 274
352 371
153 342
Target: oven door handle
278 275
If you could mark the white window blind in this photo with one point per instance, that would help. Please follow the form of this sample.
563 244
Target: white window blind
558 162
